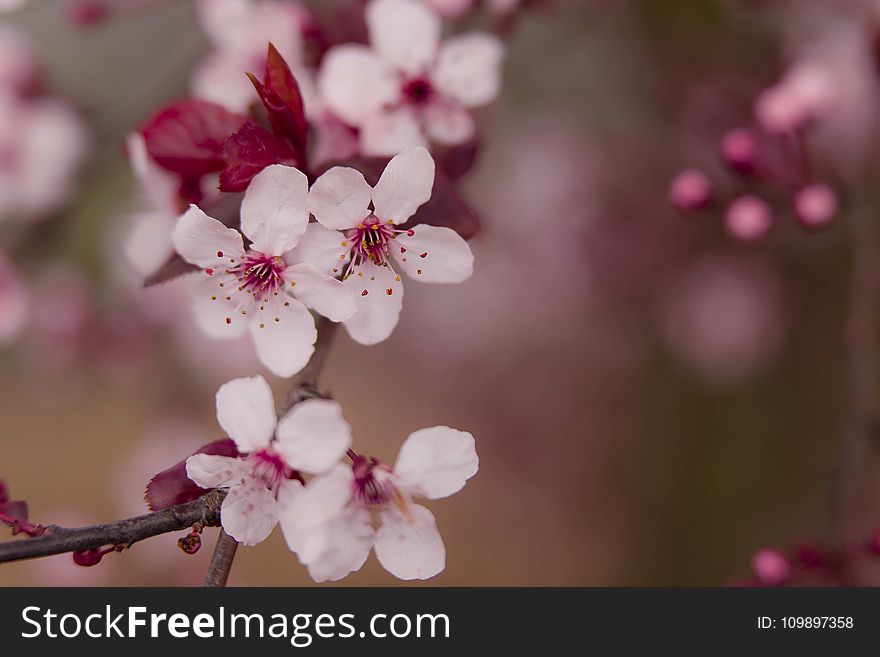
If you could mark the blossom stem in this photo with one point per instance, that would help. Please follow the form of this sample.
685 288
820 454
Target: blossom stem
862 330
221 561
58 540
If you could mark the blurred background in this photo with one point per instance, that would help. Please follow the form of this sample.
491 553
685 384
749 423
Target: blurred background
653 399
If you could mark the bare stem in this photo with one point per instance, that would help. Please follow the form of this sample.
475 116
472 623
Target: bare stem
58 540
221 562
862 332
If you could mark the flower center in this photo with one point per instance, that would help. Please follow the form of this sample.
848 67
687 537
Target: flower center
259 274
373 481
269 467
371 241
417 91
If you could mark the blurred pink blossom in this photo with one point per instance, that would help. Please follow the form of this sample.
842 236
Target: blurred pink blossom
723 317
805 94
240 31
690 190
771 567
815 205
20 68
407 88
42 142
748 218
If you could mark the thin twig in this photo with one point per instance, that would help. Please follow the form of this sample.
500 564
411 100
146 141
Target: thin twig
57 540
303 386
221 562
862 333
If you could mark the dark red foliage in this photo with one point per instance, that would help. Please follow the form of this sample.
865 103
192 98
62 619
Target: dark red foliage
247 152
187 139
14 513
172 486
280 94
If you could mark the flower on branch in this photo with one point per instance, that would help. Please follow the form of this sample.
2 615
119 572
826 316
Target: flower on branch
328 523
256 288
407 89
310 438
367 249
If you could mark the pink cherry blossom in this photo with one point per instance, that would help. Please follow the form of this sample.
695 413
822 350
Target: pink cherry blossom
815 205
806 93
328 523
19 63
690 190
256 288
365 248
149 245
406 88
451 9
41 144
748 218
239 30
14 302
310 438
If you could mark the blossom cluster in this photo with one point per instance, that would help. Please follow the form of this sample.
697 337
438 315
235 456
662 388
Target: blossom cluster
772 160
346 164
42 143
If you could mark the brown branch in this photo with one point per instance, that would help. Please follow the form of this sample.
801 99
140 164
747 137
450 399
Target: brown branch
303 386
221 562
58 540
862 333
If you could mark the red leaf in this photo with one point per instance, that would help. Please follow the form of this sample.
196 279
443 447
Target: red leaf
247 152
187 138
172 486
283 100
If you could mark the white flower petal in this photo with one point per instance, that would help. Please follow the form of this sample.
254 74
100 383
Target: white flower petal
215 471
321 292
379 297
404 33
329 535
198 238
391 131
410 547
340 198
469 68
218 78
354 83
313 436
449 124
246 411
322 248
249 512
433 255
436 462
275 209
149 244
221 311
284 334
405 184
158 185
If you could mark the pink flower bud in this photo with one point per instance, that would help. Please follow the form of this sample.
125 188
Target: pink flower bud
771 567
748 218
90 557
739 148
815 205
690 190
